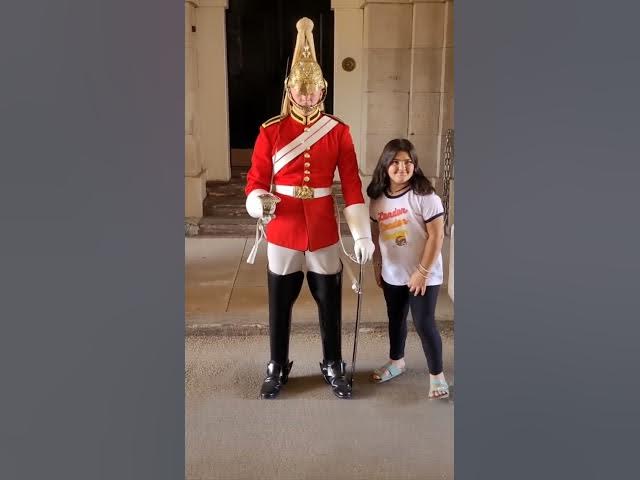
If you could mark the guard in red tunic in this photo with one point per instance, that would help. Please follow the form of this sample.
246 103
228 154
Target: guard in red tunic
289 192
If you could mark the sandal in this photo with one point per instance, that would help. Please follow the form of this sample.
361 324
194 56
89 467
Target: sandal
386 372
438 390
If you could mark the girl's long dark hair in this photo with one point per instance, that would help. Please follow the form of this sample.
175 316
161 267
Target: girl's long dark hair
380 180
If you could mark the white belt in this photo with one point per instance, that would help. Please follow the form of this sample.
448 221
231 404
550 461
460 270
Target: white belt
304 192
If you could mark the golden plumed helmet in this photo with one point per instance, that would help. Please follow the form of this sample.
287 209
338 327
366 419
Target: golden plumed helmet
305 74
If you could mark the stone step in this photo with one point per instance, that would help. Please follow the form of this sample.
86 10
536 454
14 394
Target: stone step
241 227
224 208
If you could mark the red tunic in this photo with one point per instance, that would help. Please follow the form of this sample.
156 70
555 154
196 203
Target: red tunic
305 224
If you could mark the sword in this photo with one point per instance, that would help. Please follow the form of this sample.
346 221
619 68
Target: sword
355 337
284 88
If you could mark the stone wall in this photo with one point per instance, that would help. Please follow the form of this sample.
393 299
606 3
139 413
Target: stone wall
408 72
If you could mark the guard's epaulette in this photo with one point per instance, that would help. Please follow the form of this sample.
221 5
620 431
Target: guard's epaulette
272 120
335 118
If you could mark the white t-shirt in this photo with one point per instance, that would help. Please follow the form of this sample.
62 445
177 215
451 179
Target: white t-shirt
401 221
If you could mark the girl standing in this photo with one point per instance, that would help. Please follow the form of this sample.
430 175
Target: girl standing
408 230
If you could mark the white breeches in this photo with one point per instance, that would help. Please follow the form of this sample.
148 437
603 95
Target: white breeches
283 261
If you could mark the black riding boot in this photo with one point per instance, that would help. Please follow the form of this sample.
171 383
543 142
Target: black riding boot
327 292
277 375
334 373
283 292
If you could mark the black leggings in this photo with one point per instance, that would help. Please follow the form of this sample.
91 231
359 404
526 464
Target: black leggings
423 309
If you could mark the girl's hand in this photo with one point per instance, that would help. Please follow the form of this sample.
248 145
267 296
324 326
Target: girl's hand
417 284
377 272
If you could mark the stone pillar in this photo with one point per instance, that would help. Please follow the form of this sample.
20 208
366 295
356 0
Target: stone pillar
213 107
347 89
194 172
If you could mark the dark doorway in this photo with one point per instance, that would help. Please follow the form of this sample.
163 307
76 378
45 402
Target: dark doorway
261 35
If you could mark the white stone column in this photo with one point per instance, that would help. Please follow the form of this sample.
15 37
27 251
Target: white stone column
213 107
194 172
348 20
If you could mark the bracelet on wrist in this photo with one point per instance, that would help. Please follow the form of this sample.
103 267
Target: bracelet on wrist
423 269
421 274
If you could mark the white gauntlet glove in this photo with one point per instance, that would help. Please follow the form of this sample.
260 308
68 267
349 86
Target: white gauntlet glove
357 217
363 248
262 204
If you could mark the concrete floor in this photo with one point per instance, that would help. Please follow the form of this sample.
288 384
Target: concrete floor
224 294
387 431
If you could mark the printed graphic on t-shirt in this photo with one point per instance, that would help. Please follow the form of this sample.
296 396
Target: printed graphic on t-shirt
392 226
